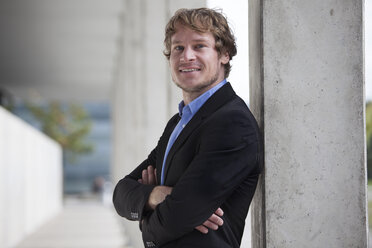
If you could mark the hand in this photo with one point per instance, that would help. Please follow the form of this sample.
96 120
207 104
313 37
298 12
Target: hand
213 222
158 195
149 176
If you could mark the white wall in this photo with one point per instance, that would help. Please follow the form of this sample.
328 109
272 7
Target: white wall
30 179
237 15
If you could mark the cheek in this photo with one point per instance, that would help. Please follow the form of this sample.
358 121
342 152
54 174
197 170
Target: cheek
172 64
212 60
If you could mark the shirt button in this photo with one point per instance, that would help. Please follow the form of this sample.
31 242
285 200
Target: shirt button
183 126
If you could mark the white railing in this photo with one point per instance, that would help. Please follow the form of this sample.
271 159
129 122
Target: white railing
30 179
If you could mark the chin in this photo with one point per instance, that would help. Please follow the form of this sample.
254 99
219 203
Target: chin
188 85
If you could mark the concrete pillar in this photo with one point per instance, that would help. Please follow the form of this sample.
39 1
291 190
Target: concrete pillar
307 91
144 97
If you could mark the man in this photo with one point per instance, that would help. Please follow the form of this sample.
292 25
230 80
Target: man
195 187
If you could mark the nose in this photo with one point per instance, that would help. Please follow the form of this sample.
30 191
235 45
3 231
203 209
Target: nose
188 54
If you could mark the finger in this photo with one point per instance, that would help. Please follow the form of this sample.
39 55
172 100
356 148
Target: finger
219 212
150 172
145 177
210 225
202 229
215 219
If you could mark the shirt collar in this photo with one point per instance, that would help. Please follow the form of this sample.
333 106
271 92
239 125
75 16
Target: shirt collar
196 104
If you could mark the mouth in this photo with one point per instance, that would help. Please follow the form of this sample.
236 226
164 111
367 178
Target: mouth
189 70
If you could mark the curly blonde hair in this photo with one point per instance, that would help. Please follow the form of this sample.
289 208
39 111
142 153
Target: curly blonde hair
203 20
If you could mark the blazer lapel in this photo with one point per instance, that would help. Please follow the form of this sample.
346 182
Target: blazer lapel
218 99
162 145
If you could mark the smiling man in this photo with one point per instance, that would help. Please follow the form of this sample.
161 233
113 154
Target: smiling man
195 187
195 64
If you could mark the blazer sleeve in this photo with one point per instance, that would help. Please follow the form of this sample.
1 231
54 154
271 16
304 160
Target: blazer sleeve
130 196
228 154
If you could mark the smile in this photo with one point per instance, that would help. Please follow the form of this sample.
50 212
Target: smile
189 70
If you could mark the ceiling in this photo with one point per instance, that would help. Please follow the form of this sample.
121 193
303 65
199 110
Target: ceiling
59 49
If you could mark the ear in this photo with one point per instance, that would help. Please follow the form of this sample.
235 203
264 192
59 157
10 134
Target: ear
225 58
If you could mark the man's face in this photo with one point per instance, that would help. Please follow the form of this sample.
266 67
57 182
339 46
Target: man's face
195 63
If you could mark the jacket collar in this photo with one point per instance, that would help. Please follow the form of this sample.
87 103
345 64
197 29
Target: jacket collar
217 100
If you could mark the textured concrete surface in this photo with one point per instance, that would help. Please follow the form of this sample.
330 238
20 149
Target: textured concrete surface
81 224
312 114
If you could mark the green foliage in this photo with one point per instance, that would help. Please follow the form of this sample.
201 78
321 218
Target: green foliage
69 126
369 137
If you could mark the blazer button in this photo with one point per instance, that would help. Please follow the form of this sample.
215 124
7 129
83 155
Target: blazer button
150 244
134 216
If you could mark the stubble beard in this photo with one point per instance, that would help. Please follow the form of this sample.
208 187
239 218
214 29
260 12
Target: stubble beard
198 88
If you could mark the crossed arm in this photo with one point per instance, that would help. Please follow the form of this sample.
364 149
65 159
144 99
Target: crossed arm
159 193
226 156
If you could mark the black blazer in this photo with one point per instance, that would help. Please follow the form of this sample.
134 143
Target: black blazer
214 162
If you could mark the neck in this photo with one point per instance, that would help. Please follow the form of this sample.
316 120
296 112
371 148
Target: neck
191 96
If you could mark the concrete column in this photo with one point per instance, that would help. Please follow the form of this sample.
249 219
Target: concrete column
144 97
129 98
307 91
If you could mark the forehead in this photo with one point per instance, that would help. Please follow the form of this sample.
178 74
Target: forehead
183 33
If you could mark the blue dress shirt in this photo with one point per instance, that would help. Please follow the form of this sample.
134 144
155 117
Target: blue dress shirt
186 113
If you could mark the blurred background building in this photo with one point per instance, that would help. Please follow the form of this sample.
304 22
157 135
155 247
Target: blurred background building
101 56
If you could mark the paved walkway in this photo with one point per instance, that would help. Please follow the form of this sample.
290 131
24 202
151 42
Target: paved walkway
81 224
88 224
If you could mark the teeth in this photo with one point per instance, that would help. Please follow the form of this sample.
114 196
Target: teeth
189 70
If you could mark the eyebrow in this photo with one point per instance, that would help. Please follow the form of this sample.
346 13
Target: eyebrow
196 40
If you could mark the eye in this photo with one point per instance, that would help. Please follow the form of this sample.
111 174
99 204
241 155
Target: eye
198 46
178 48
